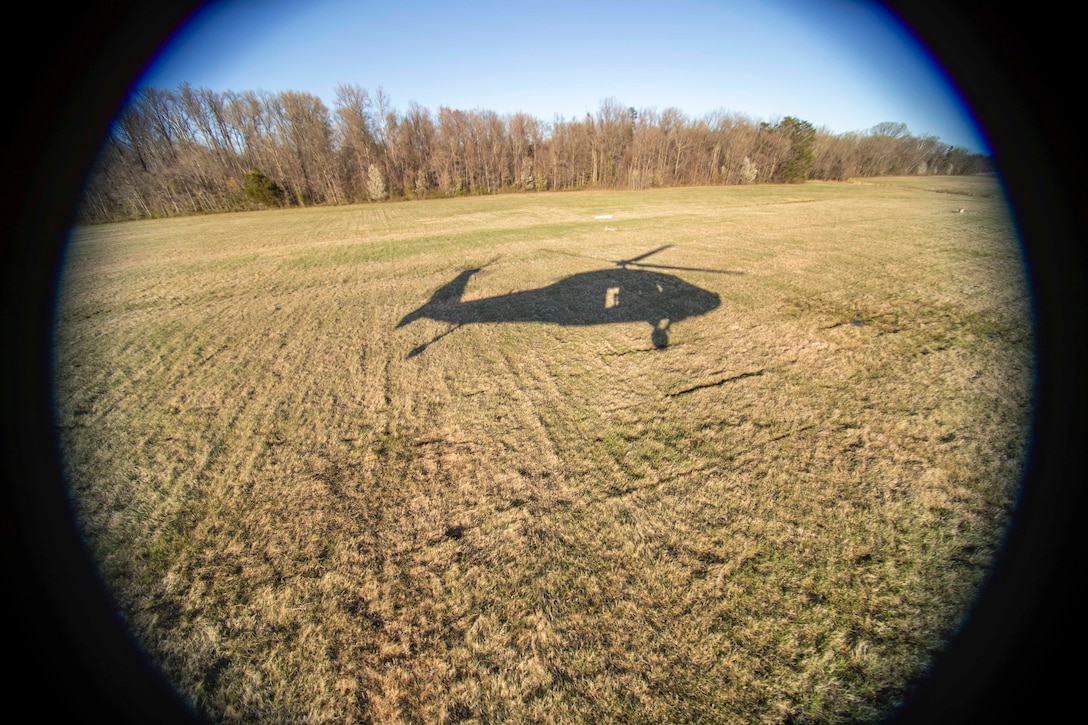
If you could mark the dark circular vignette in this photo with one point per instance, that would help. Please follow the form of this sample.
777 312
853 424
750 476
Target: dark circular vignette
72 656
70 77
1010 658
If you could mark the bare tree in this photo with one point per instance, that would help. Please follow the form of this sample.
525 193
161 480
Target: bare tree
177 152
304 131
356 137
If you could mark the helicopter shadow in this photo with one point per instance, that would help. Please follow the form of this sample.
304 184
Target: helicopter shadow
599 297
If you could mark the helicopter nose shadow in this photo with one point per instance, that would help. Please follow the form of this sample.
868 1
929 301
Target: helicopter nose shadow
589 298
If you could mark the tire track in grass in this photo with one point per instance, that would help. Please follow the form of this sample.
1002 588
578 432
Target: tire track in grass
572 418
525 375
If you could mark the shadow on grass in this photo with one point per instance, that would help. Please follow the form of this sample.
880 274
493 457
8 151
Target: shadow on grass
590 298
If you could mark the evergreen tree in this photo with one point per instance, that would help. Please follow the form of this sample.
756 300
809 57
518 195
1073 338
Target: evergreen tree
801 159
262 190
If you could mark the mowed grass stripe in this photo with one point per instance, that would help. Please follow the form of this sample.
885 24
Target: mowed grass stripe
310 513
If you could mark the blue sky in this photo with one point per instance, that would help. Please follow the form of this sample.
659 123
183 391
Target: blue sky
844 65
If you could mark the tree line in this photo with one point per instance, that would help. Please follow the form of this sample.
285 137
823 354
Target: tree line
193 150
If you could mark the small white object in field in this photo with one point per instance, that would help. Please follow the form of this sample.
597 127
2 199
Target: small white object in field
961 211
610 229
603 216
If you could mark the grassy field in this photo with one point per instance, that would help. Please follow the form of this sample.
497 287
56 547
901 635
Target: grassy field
773 507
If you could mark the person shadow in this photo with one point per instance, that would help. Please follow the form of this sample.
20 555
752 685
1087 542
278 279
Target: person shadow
599 297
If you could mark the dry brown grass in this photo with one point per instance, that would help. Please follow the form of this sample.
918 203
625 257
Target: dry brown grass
783 513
